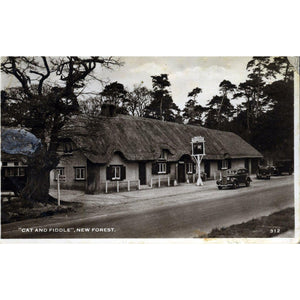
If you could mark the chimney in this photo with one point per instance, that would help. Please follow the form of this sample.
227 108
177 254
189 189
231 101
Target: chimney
108 110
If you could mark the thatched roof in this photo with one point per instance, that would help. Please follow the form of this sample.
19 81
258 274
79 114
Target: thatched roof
141 139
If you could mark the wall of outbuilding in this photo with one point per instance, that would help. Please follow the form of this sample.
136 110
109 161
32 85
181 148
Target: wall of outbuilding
69 162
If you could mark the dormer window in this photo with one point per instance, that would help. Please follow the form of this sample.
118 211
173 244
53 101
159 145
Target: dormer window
68 148
163 155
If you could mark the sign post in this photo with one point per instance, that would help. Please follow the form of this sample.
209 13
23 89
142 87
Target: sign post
198 151
58 188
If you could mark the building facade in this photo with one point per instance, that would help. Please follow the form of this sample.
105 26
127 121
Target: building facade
118 152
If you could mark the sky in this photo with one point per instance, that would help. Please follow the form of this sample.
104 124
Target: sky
184 73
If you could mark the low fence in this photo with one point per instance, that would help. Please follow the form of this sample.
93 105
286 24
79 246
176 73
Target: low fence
158 182
133 185
120 186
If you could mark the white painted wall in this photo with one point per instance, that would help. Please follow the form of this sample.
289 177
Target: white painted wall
237 163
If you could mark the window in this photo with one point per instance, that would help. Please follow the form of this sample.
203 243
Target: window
14 172
9 172
60 171
116 172
21 171
16 163
163 155
162 168
189 168
4 163
68 149
224 164
79 173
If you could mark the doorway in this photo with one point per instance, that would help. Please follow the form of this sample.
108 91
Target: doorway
181 171
142 173
207 168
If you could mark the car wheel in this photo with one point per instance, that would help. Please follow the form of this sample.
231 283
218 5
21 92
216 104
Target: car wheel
219 187
248 183
234 185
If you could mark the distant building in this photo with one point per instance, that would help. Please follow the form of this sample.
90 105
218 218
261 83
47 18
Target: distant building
16 146
121 152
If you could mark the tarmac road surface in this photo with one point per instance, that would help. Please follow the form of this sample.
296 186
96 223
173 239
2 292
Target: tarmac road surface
169 214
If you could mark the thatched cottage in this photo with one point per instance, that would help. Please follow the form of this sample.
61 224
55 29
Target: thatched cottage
123 152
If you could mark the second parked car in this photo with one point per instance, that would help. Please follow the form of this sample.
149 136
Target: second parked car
263 172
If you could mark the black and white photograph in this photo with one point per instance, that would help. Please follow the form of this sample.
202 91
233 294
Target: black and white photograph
149 150
100 147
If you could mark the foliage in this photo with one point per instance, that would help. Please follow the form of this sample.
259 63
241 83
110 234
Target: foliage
138 100
115 93
44 101
162 106
193 112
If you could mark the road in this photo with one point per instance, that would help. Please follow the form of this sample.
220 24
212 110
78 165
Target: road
176 215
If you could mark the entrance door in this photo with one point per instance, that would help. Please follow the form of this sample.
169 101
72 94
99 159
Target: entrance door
142 172
181 172
207 168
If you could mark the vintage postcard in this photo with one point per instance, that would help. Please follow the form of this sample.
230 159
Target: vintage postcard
196 149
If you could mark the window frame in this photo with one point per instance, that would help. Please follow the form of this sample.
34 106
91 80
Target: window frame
162 168
224 164
114 171
80 178
163 155
68 148
189 168
14 171
61 172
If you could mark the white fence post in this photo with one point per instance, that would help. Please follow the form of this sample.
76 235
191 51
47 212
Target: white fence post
151 183
168 180
106 183
128 182
158 181
118 186
139 184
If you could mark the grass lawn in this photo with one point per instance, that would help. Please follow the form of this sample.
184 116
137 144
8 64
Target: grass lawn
263 227
15 210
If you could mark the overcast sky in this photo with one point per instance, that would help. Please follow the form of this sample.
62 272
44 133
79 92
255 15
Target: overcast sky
185 73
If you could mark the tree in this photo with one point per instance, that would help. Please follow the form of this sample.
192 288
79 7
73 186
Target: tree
246 90
138 100
220 107
115 93
193 112
91 106
45 101
267 107
162 106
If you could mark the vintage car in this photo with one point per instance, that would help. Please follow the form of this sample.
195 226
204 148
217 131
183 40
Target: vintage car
263 172
234 178
282 166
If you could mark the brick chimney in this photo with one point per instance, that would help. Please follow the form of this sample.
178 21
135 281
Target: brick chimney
108 110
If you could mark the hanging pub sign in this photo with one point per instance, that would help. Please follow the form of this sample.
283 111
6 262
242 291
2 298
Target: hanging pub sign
198 146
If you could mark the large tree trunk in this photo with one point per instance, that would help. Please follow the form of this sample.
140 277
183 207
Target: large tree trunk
38 175
37 186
